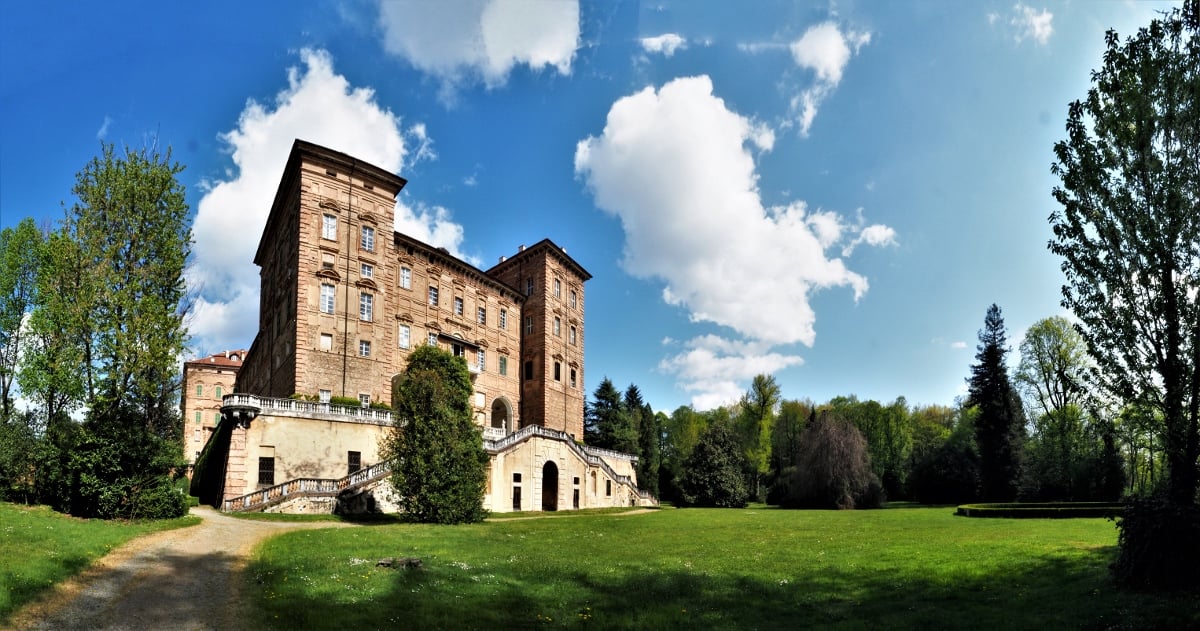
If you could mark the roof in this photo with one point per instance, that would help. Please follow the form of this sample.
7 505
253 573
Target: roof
545 245
224 359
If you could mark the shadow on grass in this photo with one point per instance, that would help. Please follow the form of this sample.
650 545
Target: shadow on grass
1055 592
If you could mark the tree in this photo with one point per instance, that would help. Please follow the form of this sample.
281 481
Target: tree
951 473
440 466
1129 231
755 422
1054 365
682 431
606 421
649 434
1129 236
833 468
713 473
19 249
1000 425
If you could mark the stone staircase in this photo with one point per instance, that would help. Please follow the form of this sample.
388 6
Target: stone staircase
306 488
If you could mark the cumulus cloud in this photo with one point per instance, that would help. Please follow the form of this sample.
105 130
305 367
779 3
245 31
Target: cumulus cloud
483 40
694 219
667 44
1032 24
711 367
317 105
825 50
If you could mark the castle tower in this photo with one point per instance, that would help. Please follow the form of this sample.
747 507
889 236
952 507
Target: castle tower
327 260
552 385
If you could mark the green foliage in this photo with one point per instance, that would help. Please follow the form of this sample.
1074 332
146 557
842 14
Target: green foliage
1000 424
888 434
950 473
898 568
649 433
755 423
19 249
350 402
440 465
1159 545
833 468
1129 232
713 474
680 433
607 423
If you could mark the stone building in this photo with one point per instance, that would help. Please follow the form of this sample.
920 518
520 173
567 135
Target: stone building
344 299
205 383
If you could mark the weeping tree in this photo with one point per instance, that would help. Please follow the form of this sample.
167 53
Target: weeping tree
1129 236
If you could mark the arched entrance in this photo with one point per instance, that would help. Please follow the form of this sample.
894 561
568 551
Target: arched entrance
501 415
550 486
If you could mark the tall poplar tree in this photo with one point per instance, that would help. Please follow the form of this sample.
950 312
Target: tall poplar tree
1000 425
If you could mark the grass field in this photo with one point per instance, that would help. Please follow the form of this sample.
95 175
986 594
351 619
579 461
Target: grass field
709 569
40 547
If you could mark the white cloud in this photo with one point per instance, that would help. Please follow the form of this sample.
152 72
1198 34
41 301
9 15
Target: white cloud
877 235
319 106
1029 23
694 219
667 44
826 50
711 367
102 133
1032 24
958 345
483 40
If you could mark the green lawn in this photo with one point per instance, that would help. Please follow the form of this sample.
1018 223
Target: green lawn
709 569
40 547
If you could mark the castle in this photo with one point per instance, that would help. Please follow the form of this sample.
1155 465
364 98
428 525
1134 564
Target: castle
344 299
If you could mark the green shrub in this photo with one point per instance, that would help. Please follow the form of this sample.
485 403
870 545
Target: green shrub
1042 510
1159 544
349 402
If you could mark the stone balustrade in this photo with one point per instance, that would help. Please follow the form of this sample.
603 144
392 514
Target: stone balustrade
305 487
310 409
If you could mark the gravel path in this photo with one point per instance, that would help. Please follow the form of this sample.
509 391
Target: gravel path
184 579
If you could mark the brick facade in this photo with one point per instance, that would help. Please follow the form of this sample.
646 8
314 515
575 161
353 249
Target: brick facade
345 298
205 381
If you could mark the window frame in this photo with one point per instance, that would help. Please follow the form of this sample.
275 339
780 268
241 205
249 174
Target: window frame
364 348
433 296
329 227
367 239
328 299
405 278
404 336
366 306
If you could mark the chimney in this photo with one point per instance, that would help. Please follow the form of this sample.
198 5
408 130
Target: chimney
503 259
521 248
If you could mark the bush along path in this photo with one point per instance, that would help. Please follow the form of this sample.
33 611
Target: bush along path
179 579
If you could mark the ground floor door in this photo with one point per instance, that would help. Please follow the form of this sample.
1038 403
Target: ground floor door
550 486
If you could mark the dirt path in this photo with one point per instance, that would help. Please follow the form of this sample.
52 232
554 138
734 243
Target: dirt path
182 579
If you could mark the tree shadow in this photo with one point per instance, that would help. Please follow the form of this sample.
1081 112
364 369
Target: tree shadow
1051 592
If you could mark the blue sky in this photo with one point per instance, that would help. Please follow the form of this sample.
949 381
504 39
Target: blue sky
832 193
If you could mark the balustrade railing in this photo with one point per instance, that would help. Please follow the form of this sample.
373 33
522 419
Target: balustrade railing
266 405
306 487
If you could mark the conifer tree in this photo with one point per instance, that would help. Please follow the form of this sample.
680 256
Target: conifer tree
1000 425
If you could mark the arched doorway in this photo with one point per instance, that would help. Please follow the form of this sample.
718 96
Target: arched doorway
501 415
550 486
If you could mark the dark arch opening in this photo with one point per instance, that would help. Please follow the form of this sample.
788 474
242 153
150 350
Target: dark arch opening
549 486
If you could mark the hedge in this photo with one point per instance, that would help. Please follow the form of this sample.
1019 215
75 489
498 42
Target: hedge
1043 510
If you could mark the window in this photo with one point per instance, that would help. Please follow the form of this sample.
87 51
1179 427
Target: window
329 227
529 370
326 341
405 336
572 336
458 306
480 361
503 366
364 399
529 286
196 435
572 377
216 417
364 348
433 296
366 306
574 297
557 288
608 488
481 315
324 395
457 349
516 478
326 298
432 341
529 324
200 390
557 371
326 261
198 419
353 462
218 392
368 239
368 271
405 278
557 326
504 318
266 471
